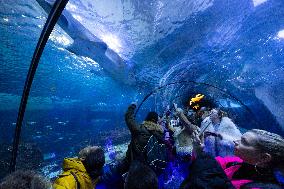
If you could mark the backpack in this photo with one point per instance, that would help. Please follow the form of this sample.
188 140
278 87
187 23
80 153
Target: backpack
155 154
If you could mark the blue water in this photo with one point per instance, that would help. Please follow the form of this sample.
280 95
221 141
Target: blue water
79 97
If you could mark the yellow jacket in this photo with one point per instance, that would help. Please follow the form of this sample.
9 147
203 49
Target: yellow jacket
66 180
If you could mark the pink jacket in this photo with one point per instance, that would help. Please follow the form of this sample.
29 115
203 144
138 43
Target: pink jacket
223 161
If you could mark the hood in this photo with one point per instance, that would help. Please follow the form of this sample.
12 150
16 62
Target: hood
152 126
73 163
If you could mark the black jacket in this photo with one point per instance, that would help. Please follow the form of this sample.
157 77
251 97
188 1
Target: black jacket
206 173
139 137
140 134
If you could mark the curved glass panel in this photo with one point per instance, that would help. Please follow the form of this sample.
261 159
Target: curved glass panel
20 27
103 56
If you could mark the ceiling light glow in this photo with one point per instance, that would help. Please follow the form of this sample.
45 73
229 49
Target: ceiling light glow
112 41
258 2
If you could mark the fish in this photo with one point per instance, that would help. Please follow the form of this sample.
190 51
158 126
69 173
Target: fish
37 137
48 156
193 101
197 98
31 123
61 123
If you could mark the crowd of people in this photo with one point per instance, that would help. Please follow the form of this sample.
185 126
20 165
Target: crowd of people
201 141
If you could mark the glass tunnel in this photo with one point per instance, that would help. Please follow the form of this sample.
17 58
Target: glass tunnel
103 55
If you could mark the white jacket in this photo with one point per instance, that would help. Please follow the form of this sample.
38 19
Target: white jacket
229 132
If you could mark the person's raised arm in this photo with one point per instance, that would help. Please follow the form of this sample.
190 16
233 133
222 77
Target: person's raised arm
188 125
130 119
230 132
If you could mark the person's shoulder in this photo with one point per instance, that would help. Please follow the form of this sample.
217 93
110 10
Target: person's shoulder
227 122
223 161
227 119
230 159
64 180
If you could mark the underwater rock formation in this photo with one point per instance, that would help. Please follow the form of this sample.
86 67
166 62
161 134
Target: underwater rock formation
29 158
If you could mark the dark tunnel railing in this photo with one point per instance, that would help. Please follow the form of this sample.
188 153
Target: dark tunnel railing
53 16
197 83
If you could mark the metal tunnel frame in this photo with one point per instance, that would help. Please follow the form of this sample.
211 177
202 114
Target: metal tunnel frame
53 16
198 83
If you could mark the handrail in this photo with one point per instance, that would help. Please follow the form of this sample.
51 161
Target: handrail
53 16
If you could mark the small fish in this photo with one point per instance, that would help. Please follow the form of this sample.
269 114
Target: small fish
193 101
197 98
31 122
49 156
61 123
37 137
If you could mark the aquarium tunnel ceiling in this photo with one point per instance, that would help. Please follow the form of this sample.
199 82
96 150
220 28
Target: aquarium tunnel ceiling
105 54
